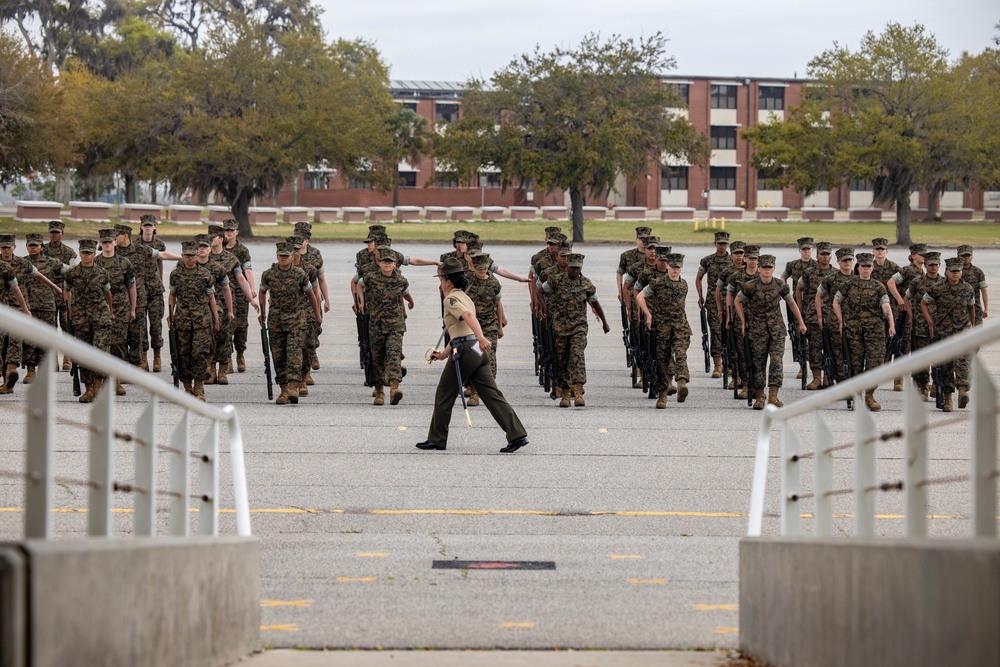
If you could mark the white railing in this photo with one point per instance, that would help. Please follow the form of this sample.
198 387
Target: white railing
914 484
42 417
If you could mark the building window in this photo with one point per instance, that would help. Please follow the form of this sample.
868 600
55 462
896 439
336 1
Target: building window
412 106
951 186
723 97
723 178
675 178
723 138
683 91
316 180
358 183
446 179
445 112
768 179
407 179
491 181
860 185
771 98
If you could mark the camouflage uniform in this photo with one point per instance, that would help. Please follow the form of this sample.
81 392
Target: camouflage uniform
568 299
949 307
42 300
665 299
241 306
864 324
810 280
827 289
11 347
977 280
712 267
193 290
386 323
485 294
312 329
231 266
67 256
145 264
903 277
762 306
735 280
286 319
153 315
8 281
92 321
121 275
921 332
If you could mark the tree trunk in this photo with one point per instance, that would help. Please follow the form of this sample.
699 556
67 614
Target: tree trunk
63 187
933 198
395 195
129 188
241 211
903 220
152 191
576 202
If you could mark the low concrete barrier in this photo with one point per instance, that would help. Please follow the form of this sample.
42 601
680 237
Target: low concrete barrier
728 212
492 212
772 213
818 213
631 213
185 214
263 215
186 601
461 213
892 603
408 213
676 213
956 213
132 212
292 214
435 213
37 211
554 213
864 214
523 212
218 213
325 214
992 214
93 211
381 213
595 213
354 214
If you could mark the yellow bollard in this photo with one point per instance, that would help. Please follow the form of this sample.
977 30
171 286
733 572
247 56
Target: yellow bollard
723 227
713 223
696 224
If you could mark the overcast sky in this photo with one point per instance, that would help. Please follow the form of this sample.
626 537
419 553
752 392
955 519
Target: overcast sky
451 40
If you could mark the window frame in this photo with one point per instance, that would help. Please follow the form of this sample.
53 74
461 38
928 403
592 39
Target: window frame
771 102
727 134
720 99
715 177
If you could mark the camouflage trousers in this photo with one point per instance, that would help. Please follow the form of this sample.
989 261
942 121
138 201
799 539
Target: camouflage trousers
923 376
98 335
152 318
492 335
836 353
194 346
865 343
814 338
241 308
386 347
287 353
119 331
309 347
136 337
714 327
571 361
954 373
33 355
222 348
671 356
767 349
10 350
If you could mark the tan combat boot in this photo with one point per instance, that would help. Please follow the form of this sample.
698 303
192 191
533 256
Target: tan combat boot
283 396
187 386
396 394
924 392
682 391
293 391
309 379
119 388
29 377
565 394
144 362
717 368
211 373
315 362
10 376
743 393
379 395
578 396
946 404
933 391
157 363
199 389
638 380
817 380
88 396
870 401
758 399
221 377
661 400
67 363
473 399
798 376
229 365
671 387
963 397
98 386
241 363
303 390
897 384
772 396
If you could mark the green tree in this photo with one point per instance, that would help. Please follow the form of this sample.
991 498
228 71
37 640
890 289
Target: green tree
410 141
55 29
572 119
252 108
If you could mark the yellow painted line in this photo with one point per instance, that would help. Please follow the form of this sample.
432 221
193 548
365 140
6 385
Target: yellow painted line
623 556
723 630
286 603
383 554
602 430
647 581
402 428
510 624
701 514
711 607
465 512
364 579
287 627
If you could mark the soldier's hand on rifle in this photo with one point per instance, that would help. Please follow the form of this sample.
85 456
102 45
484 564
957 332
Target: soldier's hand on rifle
649 322
930 328
260 319
232 316
892 329
255 306
215 325
803 328
701 302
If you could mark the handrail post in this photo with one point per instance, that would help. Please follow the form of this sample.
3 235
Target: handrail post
824 478
102 443
760 473
240 495
791 482
208 509
145 470
915 448
180 483
864 465
39 438
984 452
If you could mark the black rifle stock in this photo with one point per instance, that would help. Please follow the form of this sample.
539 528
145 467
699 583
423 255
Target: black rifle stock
725 349
937 374
175 359
652 367
705 345
827 357
803 358
748 359
266 344
627 338
74 370
845 364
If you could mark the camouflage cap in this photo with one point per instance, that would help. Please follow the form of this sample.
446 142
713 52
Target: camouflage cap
652 241
7 240
376 229
932 257
383 240
721 237
481 261
57 226
766 261
558 238
107 235
565 249
845 253
752 252
964 250
384 249
230 224
550 232
824 247
215 230
450 266
662 254
660 245
187 247
576 260
283 249
675 259
295 241
123 229
880 243
147 219
460 236
805 242
304 229
643 231
374 237
953 264
865 259
474 245
203 239
918 248
88 245
34 239
738 246
473 238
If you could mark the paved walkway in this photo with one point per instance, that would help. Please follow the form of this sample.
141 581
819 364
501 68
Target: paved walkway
285 658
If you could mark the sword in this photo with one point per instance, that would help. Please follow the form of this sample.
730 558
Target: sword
456 353
436 348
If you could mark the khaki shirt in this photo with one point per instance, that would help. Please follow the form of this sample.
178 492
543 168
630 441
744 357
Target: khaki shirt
456 304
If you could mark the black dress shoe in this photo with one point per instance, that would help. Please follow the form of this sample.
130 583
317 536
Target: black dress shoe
427 444
514 444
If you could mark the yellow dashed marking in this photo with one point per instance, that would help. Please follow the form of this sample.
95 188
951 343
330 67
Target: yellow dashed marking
473 512
700 514
382 554
287 627
622 556
602 430
402 428
723 630
517 625
710 607
364 579
647 581
286 603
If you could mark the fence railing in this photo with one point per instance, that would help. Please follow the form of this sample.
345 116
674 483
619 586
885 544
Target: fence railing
42 417
914 482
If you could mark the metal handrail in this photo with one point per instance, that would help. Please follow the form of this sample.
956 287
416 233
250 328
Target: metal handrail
936 353
45 336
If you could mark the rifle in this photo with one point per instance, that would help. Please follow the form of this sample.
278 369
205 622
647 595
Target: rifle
644 355
827 357
937 374
793 334
734 357
535 345
725 348
627 339
175 359
364 350
74 370
846 364
553 380
748 358
803 357
704 339
267 361
894 344
651 369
